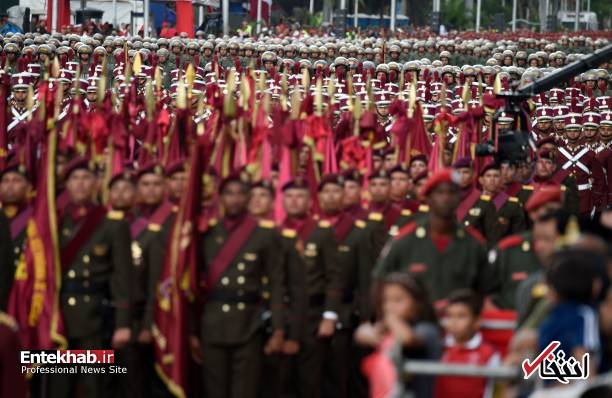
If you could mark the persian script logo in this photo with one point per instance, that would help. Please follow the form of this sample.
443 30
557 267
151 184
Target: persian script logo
552 364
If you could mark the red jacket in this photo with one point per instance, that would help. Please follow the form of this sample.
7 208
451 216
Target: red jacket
474 352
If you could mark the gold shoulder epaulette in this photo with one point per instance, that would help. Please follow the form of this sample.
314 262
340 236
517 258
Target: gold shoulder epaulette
360 224
513 199
528 187
115 215
486 198
154 227
267 224
212 222
324 224
563 187
406 212
9 321
374 216
289 233
423 208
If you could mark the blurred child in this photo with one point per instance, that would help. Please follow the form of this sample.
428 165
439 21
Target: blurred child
575 278
407 329
464 345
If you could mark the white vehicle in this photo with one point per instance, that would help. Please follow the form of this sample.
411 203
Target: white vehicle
587 21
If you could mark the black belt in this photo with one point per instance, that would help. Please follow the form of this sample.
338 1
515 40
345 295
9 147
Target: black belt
348 298
234 297
96 288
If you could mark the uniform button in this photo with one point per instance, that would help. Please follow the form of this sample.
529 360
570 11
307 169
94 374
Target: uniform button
240 292
225 308
86 284
240 306
240 280
225 281
71 274
17 249
265 295
241 266
86 259
86 273
86 298
71 301
66 232
264 280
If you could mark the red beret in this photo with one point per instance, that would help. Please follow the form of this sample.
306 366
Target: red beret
421 157
79 163
352 175
489 166
175 167
380 173
546 154
442 176
299 182
152 167
463 163
542 196
546 140
331 178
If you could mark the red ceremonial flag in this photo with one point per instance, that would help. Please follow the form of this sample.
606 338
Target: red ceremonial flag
63 14
34 297
177 286
184 17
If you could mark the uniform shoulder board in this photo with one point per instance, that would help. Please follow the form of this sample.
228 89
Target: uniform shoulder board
510 241
289 233
267 224
563 187
212 222
375 216
154 227
527 187
423 208
513 199
8 321
324 224
406 230
360 224
486 198
406 212
115 215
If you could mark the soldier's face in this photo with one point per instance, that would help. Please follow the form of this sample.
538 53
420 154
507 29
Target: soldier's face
379 189
417 167
544 125
176 185
20 95
507 173
545 168
390 161
400 185
352 193
331 198
590 132
559 125
545 237
491 181
572 134
296 202
234 198
465 176
122 195
261 202
605 132
150 189
14 188
443 200
376 162
81 186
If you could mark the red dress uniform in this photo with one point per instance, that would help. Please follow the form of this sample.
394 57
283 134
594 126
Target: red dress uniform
581 163
474 352
604 157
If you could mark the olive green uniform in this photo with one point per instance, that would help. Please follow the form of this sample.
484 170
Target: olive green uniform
94 295
513 261
482 216
232 318
7 267
315 286
510 219
461 265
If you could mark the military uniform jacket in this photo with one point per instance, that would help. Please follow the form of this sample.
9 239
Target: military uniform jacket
582 164
478 211
510 217
7 268
314 276
461 265
250 283
148 248
512 261
356 258
94 291
604 156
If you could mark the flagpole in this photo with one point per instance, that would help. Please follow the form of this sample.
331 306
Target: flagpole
311 7
355 12
258 16
145 30
54 16
478 4
225 11
392 22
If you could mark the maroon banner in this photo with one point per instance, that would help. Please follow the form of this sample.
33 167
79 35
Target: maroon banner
34 298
